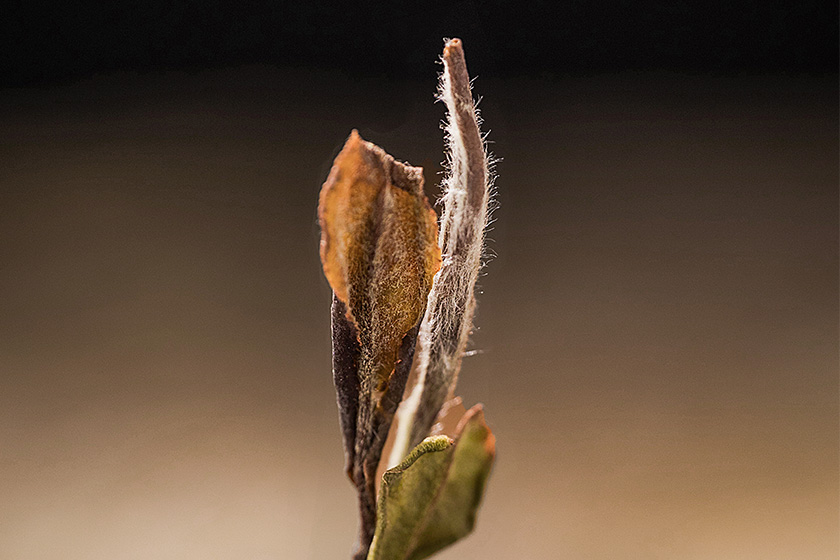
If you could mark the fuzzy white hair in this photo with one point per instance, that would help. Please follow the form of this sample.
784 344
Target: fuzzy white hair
447 322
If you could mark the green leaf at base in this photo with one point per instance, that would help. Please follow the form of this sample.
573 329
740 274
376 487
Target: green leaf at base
430 500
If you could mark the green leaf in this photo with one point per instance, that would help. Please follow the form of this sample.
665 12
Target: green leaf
430 500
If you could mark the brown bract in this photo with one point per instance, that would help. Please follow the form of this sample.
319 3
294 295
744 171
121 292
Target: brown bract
378 245
380 254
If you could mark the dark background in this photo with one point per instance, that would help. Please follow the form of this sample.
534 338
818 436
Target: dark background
657 340
44 43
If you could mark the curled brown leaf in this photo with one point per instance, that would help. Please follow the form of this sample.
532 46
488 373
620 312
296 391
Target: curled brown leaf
380 254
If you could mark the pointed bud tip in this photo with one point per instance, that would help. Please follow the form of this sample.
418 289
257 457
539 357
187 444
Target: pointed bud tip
454 47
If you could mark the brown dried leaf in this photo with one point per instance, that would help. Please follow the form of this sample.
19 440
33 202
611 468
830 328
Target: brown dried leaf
378 245
379 252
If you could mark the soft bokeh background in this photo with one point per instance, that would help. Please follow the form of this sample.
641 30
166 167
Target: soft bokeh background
658 338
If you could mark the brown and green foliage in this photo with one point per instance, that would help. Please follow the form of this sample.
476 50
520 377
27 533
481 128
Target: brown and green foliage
400 285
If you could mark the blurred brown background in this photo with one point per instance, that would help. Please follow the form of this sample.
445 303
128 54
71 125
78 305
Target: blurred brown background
657 342
658 330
